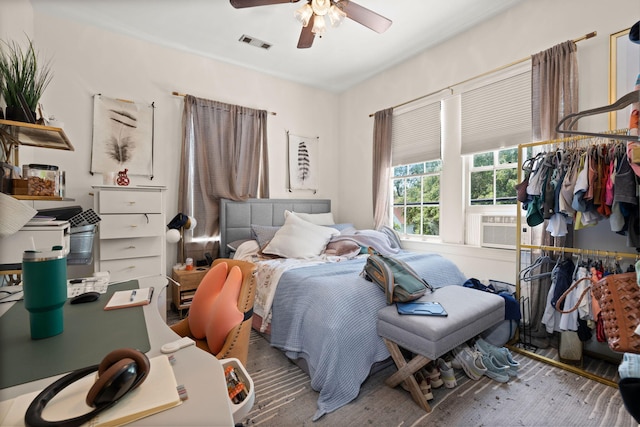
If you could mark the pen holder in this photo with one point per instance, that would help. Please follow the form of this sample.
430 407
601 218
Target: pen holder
44 278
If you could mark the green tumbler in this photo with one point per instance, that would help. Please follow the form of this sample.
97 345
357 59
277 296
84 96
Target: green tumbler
44 280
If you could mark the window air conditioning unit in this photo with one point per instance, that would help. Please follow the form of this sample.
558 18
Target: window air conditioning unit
500 231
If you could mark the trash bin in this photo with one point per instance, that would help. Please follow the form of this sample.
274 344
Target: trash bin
81 244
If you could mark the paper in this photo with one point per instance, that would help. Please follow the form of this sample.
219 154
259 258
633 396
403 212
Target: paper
132 298
157 393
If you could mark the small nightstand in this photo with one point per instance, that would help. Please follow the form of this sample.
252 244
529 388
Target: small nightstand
189 280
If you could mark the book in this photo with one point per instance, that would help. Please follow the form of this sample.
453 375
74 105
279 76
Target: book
423 308
157 393
132 298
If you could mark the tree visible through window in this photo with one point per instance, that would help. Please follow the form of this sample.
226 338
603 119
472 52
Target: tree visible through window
493 176
416 198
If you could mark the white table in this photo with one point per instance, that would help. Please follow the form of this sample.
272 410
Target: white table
200 372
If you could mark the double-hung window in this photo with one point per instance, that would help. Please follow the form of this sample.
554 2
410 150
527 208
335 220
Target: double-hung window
495 117
416 159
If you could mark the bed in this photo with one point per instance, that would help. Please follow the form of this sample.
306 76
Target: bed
320 311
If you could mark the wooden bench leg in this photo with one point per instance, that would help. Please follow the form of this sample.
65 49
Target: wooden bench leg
405 373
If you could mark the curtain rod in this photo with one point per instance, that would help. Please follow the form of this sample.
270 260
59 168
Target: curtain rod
450 87
184 94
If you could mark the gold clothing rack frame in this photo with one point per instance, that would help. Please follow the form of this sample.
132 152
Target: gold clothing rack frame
519 247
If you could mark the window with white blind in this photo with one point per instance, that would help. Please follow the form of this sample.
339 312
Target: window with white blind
495 117
416 157
496 111
416 134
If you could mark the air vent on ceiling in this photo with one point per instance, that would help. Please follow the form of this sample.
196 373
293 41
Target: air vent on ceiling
255 42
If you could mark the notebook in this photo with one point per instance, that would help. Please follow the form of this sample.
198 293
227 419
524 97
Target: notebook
132 298
423 308
157 393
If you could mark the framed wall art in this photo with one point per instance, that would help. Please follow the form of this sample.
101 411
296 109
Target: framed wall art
122 136
303 162
624 69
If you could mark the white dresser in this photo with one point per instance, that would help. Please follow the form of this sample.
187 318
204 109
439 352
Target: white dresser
131 233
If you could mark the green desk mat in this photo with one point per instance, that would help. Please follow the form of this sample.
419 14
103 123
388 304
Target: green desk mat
89 334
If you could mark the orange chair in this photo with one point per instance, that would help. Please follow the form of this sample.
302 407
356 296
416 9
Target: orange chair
236 343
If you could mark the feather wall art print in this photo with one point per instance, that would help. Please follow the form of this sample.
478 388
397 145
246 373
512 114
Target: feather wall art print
122 136
303 162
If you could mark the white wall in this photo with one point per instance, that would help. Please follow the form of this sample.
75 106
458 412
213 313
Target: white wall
88 60
527 28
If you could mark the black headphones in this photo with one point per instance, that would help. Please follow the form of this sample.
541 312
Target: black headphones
119 372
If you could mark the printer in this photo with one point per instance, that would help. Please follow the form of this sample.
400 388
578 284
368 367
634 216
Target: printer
38 234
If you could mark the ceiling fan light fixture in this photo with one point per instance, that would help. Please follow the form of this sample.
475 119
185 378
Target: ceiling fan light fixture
319 26
304 14
320 7
336 15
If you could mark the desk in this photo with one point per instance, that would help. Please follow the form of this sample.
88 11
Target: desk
200 372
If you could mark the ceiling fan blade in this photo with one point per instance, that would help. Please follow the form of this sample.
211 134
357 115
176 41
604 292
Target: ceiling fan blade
239 4
364 16
306 35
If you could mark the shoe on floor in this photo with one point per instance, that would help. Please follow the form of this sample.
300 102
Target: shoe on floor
446 373
495 371
501 354
424 385
431 371
470 361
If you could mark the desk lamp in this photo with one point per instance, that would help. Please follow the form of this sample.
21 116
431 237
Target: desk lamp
175 232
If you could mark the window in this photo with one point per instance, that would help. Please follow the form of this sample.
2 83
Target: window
493 176
416 198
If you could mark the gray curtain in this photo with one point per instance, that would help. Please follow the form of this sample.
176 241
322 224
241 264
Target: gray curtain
382 126
224 155
554 94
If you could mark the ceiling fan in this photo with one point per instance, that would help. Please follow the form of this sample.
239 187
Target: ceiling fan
312 14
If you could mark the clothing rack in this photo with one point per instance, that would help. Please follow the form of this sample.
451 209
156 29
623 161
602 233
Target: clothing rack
607 135
595 252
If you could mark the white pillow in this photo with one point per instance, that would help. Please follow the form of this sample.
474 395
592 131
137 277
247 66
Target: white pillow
298 238
317 219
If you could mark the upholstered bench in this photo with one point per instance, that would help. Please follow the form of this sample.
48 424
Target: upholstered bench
470 312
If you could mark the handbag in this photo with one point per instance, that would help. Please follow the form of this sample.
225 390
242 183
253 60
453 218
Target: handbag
619 299
395 277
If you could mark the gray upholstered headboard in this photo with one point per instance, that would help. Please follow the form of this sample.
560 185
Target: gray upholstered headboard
236 217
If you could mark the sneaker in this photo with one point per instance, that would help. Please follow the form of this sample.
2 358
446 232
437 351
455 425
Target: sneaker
495 371
630 366
446 373
431 371
471 361
501 354
424 385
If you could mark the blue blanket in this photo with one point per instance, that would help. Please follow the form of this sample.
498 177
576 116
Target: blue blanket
327 314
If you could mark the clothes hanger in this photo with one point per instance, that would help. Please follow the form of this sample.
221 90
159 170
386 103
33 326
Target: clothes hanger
526 274
571 119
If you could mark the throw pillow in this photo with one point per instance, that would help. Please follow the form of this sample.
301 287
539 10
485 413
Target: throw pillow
298 238
317 219
224 311
263 233
208 290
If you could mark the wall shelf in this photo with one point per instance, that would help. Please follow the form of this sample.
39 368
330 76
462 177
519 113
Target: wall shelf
14 134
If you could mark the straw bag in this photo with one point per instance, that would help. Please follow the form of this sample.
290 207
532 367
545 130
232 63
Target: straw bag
619 299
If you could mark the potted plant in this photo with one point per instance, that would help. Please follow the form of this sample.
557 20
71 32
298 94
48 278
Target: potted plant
22 74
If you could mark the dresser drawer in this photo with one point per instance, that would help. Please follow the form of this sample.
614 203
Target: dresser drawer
124 269
129 202
130 248
134 225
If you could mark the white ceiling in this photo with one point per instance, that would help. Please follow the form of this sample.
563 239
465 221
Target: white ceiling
345 56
